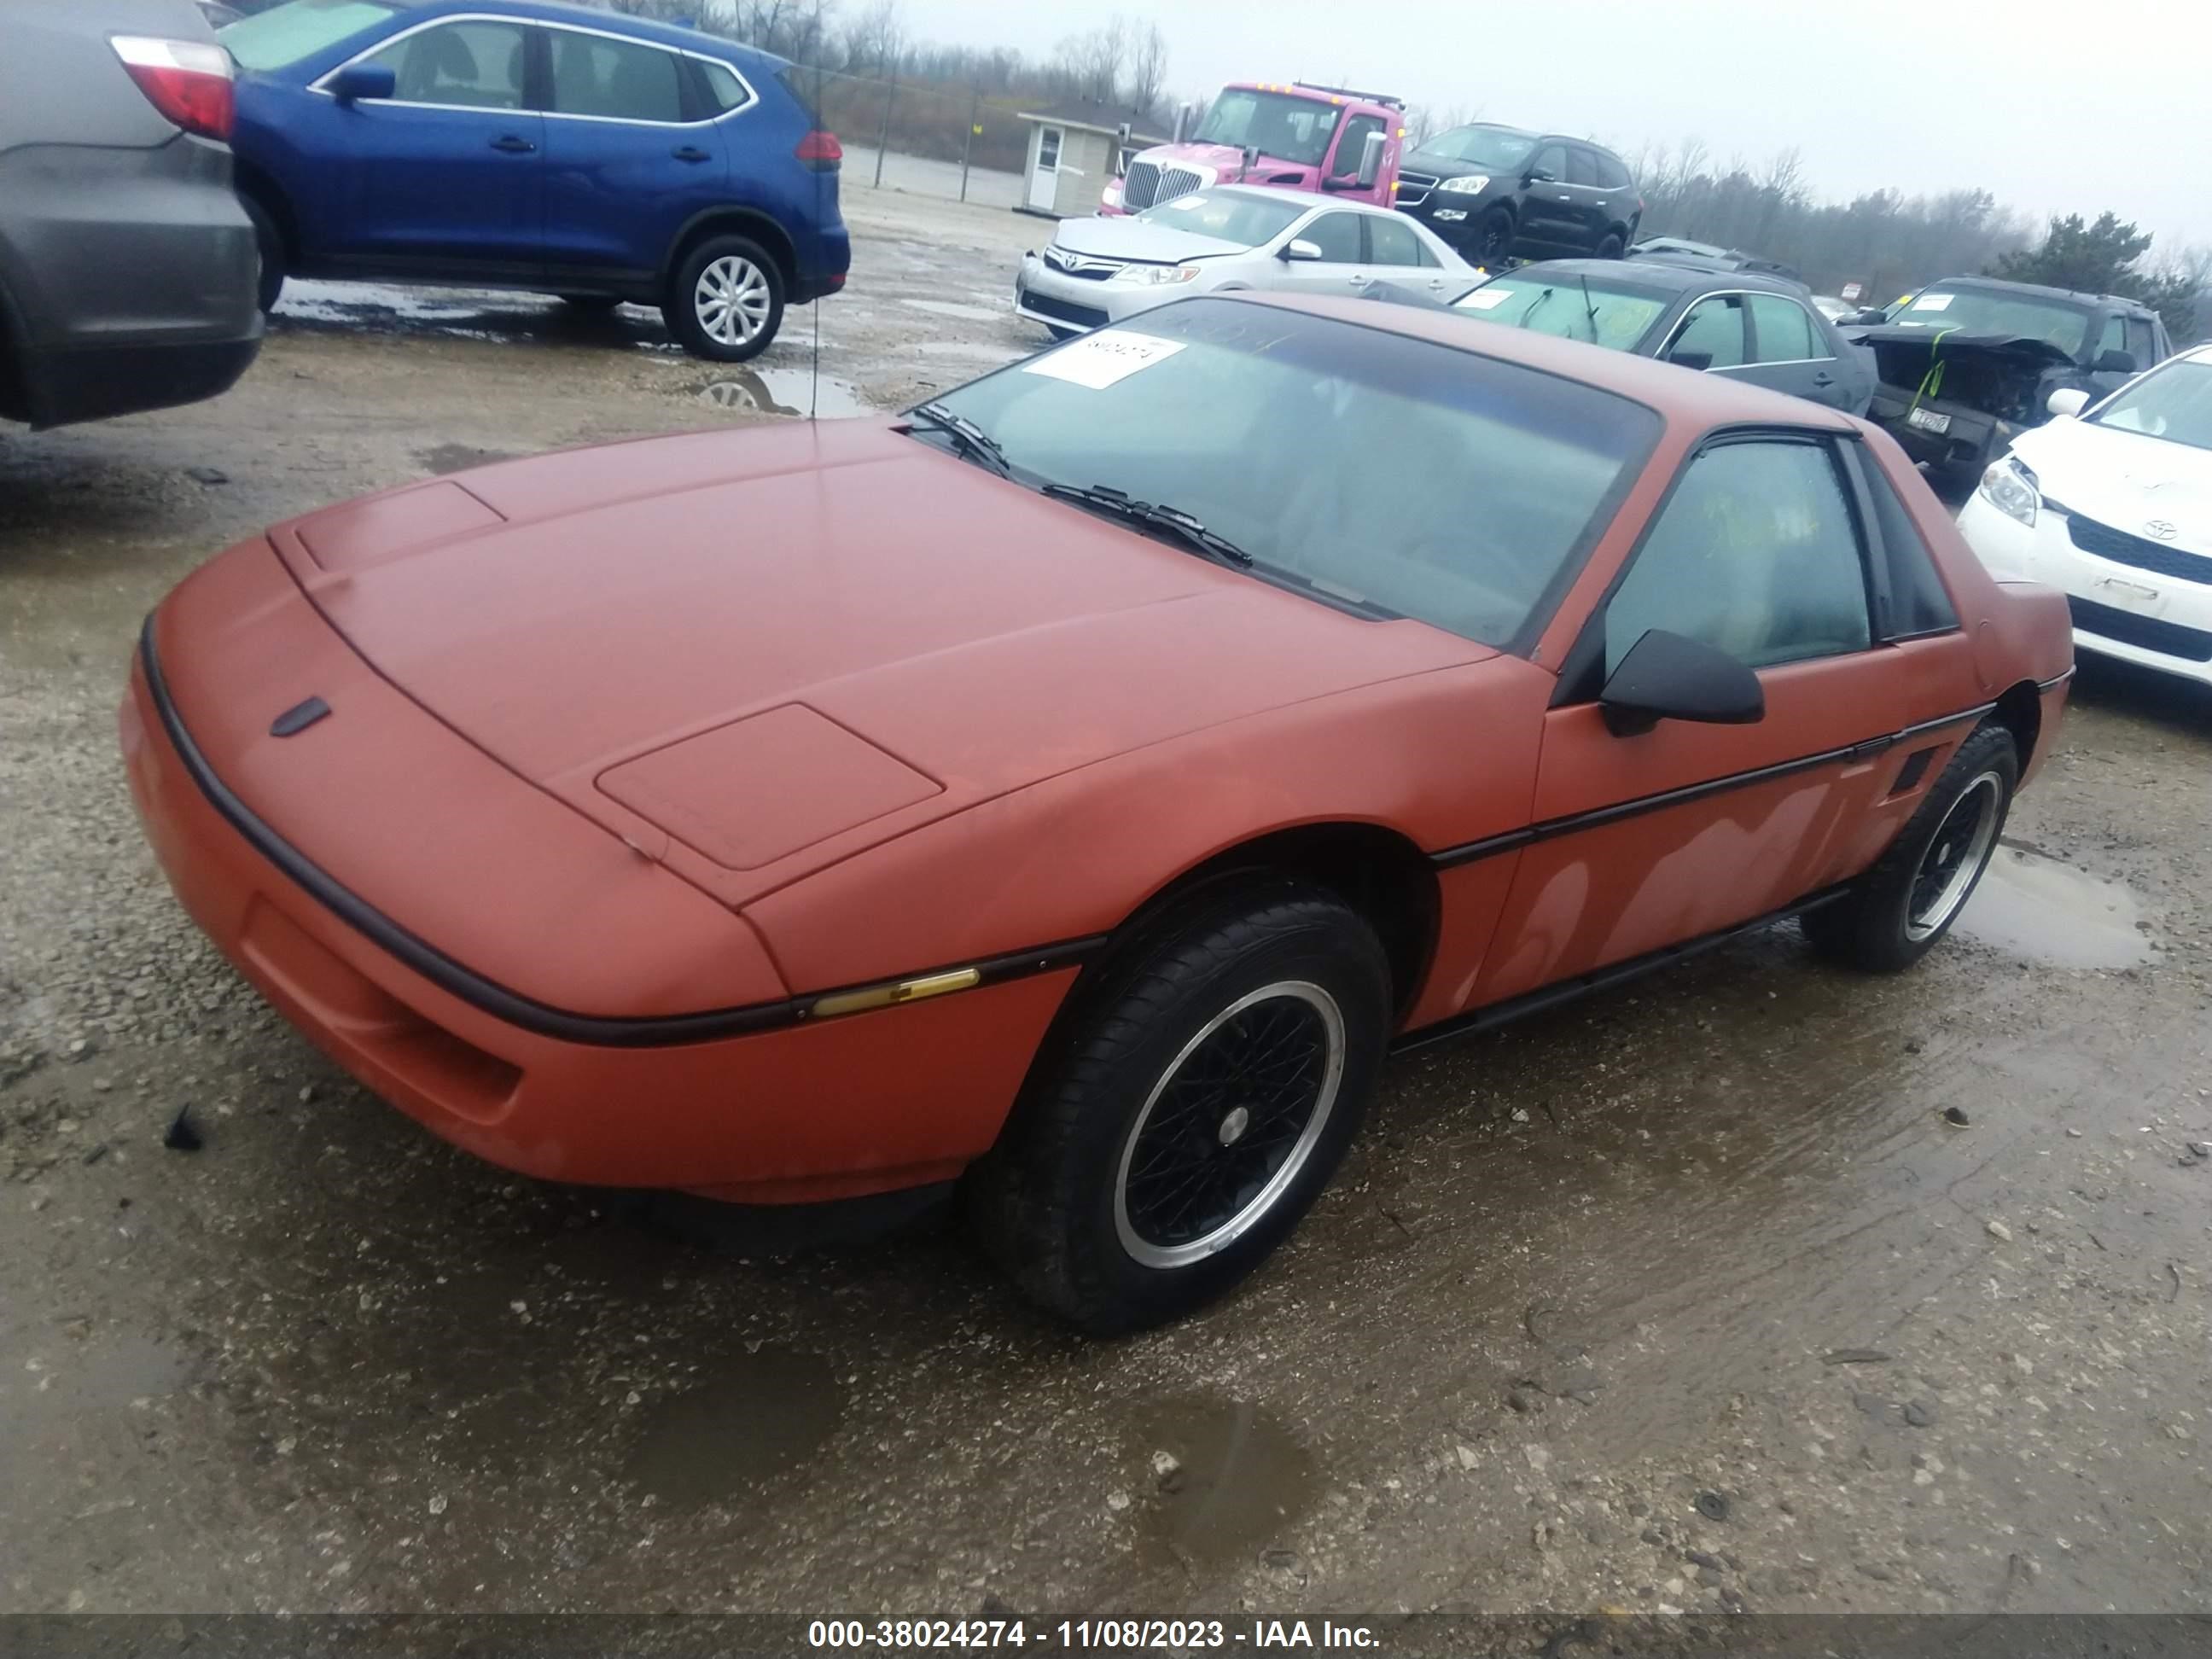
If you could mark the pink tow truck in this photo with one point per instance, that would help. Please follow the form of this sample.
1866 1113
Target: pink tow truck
1296 136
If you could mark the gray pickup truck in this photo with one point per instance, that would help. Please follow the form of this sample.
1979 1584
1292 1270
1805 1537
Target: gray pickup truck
128 270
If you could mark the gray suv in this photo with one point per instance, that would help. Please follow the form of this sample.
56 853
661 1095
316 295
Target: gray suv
128 270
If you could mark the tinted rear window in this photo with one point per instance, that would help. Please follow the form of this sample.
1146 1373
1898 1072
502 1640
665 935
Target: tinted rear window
801 84
1918 603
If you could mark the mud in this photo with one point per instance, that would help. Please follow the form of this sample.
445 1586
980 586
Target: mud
1702 1265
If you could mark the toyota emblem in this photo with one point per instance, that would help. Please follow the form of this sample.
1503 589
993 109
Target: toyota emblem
2159 530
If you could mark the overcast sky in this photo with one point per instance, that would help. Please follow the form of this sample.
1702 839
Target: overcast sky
2054 107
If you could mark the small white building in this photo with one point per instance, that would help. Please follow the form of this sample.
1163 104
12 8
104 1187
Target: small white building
1072 155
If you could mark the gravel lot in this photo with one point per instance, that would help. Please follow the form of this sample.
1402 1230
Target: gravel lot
1688 1296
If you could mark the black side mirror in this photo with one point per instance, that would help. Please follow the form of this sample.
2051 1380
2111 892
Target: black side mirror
359 81
1537 176
1699 360
2114 362
1667 676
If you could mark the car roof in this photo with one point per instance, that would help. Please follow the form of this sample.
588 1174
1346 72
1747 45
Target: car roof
1662 273
1299 198
607 22
2079 296
1686 395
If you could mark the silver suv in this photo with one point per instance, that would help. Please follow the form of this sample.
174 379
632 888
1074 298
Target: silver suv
128 269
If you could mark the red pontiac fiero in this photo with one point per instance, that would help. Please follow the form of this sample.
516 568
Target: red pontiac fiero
1077 786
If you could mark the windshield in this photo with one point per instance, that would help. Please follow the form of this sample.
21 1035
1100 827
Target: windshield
1247 221
291 32
1984 311
1273 123
1563 306
1364 467
1496 149
2174 403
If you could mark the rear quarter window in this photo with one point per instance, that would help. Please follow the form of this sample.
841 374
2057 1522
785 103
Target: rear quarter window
1918 601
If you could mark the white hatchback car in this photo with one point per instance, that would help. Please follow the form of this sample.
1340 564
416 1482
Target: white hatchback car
2114 504
1100 271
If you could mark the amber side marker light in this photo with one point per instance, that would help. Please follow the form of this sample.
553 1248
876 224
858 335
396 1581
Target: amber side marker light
887 996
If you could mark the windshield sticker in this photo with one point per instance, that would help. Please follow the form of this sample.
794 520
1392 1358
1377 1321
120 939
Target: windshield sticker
1487 299
1099 359
1932 302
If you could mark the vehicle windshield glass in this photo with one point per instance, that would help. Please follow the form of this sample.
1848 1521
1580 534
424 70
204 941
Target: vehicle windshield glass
1247 221
1365 467
1984 311
2174 403
291 32
1559 305
1274 123
1494 147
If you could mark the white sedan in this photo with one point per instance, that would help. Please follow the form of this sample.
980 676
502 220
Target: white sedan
1097 271
2114 504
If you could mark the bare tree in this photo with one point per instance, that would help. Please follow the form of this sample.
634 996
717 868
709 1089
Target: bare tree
1148 66
875 41
1089 65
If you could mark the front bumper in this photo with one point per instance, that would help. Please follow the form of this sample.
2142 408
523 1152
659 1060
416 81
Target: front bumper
790 1109
1059 300
2141 615
1972 440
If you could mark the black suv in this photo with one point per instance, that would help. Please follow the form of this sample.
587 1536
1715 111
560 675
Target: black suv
1498 193
1966 363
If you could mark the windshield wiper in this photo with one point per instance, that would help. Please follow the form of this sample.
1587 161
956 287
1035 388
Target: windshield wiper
1119 503
971 438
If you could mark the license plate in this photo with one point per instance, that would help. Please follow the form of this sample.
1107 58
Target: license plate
1928 420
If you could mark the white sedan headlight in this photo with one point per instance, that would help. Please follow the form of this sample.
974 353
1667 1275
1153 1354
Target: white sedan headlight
2011 488
1154 275
1472 184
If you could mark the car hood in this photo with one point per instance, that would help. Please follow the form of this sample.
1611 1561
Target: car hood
1145 240
773 647
2124 479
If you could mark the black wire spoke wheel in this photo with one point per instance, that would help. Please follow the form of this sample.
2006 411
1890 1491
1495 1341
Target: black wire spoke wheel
1229 1124
1956 853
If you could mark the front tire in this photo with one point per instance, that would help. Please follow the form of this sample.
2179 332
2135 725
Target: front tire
725 302
1898 911
1191 1111
1494 238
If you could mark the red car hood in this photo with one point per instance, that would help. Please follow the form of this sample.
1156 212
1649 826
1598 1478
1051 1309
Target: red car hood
631 628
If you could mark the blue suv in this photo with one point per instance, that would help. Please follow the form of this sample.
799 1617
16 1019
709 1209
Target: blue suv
516 144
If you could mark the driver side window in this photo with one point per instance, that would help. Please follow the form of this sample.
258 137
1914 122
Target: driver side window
1712 330
1337 236
470 65
1350 142
1756 554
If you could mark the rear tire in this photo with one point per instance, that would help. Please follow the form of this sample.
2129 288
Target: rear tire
271 241
1610 246
1191 1111
1898 910
725 302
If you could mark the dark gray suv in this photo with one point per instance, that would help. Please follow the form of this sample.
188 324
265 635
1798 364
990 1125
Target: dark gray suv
1497 194
128 270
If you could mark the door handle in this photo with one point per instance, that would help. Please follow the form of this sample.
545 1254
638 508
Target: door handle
1824 378
690 153
511 145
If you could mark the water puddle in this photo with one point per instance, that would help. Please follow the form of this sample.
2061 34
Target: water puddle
460 458
2035 907
1221 1477
762 1415
783 392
